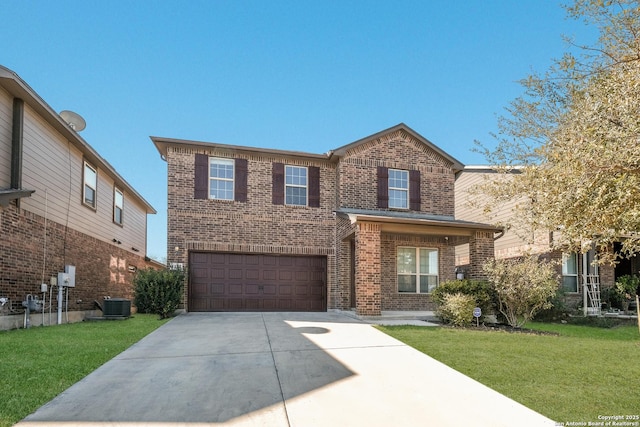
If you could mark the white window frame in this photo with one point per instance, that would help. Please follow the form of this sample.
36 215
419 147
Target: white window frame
404 190
418 273
288 169
212 179
567 273
118 205
92 185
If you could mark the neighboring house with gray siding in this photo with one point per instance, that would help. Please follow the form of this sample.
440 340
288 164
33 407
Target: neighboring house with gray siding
369 226
61 204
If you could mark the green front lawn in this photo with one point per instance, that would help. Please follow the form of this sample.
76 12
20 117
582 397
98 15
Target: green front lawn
575 376
39 363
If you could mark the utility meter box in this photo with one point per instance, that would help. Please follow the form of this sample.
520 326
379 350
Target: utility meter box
68 278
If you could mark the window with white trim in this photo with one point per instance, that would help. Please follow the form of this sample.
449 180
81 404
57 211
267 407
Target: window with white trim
570 272
90 185
221 176
398 189
295 185
417 270
118 205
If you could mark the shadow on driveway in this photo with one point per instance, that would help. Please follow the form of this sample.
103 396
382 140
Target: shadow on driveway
277 369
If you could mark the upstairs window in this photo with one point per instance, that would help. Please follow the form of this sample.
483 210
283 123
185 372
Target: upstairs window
118 205
398 189
295 185
89 191
221 178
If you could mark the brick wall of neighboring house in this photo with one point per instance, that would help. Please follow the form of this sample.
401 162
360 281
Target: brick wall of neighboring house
254 226
399 150
102 269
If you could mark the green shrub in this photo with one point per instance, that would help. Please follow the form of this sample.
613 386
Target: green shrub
158 291
457 309
524 286
482 292
558 310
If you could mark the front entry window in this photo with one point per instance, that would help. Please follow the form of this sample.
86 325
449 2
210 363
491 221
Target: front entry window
417 270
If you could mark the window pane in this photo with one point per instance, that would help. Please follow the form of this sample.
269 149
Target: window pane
118 216
398 199
428 261
406 283
570 283
295 175
89 176
220 168
89 195
398 179
569 264
406 261
296 196
221 189
428 283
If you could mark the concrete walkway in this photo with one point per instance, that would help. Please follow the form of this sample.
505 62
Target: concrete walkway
277 369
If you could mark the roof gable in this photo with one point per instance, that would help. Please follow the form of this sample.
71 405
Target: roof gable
400 130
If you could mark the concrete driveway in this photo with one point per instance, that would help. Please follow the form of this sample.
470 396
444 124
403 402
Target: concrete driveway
277 369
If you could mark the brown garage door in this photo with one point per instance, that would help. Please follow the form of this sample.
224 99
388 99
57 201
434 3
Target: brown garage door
256 282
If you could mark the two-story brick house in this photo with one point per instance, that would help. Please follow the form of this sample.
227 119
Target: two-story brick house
368 226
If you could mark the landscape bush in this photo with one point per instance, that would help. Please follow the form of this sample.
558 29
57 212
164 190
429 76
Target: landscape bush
523 285
483 293
158 291
457 309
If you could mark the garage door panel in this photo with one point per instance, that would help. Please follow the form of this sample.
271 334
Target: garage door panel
256 282
285 275
285 290
235 289
269 289
252 289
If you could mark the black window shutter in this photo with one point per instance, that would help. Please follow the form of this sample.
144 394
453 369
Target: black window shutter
414 190
240 190
383 187
201 184
314 187
277 184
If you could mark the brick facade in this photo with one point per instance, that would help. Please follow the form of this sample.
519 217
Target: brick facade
102 269
361 254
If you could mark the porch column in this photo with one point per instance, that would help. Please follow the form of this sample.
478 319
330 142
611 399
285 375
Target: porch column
480 250
368 269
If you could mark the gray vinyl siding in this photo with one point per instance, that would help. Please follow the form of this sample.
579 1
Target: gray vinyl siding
54 168
6 107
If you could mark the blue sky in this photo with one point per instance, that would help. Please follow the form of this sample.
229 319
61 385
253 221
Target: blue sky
294 75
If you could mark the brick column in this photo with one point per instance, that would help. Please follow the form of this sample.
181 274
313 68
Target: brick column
480 250
368 271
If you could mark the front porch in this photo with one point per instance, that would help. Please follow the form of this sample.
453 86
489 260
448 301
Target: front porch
395 259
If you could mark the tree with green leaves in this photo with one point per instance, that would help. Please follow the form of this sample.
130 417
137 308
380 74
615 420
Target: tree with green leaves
573 138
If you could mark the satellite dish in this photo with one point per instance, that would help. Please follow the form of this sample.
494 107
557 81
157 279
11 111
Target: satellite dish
74 120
